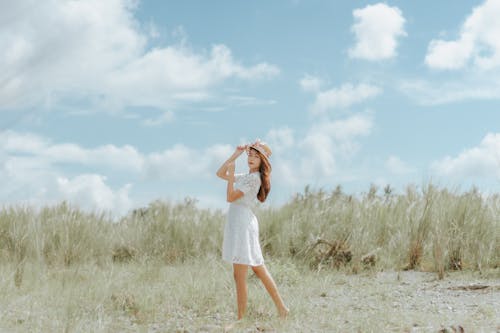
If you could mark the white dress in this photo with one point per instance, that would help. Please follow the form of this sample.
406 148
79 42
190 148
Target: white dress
241 233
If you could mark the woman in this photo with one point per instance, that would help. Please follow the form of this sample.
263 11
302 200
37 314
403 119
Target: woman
241 234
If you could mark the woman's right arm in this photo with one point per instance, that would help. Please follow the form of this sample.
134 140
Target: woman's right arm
222 172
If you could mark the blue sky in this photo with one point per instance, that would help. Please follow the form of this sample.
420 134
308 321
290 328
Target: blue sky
113 104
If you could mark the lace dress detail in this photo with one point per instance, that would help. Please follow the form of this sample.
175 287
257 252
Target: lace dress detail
241 233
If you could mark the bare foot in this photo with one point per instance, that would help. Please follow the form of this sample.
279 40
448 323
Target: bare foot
283 313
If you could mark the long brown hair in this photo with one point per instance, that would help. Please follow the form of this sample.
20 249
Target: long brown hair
265 177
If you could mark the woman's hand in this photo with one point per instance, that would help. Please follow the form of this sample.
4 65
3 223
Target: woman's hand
224 171
239 150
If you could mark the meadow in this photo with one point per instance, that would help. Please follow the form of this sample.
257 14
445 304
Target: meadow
419 261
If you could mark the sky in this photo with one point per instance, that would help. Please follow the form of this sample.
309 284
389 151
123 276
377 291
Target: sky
110 105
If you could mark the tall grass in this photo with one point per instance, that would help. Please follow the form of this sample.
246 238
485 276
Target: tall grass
430 228
172 232
403 230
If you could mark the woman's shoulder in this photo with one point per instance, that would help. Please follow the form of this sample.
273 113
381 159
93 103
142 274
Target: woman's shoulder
252 177
248 174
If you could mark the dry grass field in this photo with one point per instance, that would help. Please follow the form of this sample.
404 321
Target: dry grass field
198 296
427 260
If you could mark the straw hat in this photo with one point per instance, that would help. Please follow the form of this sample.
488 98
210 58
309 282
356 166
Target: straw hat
261 147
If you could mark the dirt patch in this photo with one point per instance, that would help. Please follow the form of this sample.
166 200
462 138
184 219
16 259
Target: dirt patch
475 287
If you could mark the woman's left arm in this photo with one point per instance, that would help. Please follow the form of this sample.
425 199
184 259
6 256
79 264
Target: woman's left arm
231 193
222 171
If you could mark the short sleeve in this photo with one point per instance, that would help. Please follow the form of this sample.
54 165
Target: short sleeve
248 184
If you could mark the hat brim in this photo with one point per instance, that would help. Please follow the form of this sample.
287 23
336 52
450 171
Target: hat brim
261 150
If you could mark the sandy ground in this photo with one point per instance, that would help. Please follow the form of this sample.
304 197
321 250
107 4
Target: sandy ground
200 298
375 302
413 302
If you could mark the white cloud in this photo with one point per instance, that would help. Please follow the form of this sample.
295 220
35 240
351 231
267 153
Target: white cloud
248 101
478 42
377 28
164 118
165 77
477 49
177 162
122 158
90 192
17 172
33 181
33 170
349 128
482 161
481 87
449 55
315 155
96 51
310 83
329 141
397 166
343 97
299 160
22 142
63 46
280 139
183 163
318 157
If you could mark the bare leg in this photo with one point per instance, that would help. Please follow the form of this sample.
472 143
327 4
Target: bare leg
240 277
266 278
